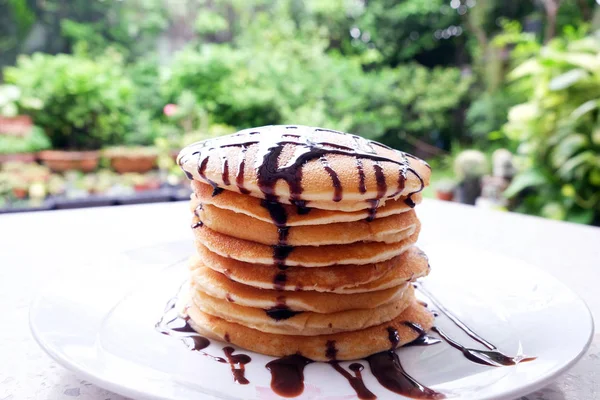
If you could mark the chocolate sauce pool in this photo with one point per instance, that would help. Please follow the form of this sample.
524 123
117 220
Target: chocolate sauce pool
287 375
388 371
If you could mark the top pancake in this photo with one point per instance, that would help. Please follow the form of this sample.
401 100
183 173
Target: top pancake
293 164
259 209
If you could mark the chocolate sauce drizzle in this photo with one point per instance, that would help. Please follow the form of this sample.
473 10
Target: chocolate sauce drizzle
388 371
335 180
355 381
197 224
280 254
279 280
276 211
281 311
301 207
239 177
287 375
453 317
372 209
330 350
393 336
362 187
172 324
239 360
225 170
423 339
493 357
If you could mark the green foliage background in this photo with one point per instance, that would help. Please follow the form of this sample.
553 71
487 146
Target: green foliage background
426 76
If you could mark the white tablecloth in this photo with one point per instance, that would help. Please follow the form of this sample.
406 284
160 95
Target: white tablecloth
37 247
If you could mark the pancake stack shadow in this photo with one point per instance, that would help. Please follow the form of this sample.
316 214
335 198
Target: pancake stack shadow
305 243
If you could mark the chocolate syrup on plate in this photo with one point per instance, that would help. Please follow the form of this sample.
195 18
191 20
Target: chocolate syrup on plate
423 339
492 358
171 324
388 371
356 380
287 375
237 362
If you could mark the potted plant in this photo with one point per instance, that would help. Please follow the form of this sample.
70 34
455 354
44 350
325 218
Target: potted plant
19 139
444 189
469 167
87 104
20 187
132 159
11 122
56 185
23 148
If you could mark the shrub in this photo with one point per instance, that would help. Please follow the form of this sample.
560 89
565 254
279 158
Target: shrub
86 103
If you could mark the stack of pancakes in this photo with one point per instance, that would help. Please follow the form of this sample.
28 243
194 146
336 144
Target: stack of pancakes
305 242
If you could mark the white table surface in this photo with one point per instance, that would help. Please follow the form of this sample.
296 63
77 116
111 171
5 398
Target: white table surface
38 247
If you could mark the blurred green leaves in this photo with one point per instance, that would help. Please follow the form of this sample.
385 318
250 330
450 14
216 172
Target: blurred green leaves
557 128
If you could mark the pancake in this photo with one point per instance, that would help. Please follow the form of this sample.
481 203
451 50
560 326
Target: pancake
330 169
303 323
388 229
410 265
256 208
349 345
359 253
219 286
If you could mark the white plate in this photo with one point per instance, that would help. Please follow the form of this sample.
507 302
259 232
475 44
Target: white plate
101 325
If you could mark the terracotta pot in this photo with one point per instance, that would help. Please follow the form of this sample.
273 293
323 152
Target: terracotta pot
15 126
446 196
147 186
133 163
20 193
20 157
61 161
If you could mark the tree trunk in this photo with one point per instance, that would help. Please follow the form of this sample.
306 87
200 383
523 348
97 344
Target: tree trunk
551 7
586 11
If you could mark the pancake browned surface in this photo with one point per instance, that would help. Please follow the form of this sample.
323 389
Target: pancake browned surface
305 239
255 207
384 229
303 323
410 265
350 345
358 253
218 285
